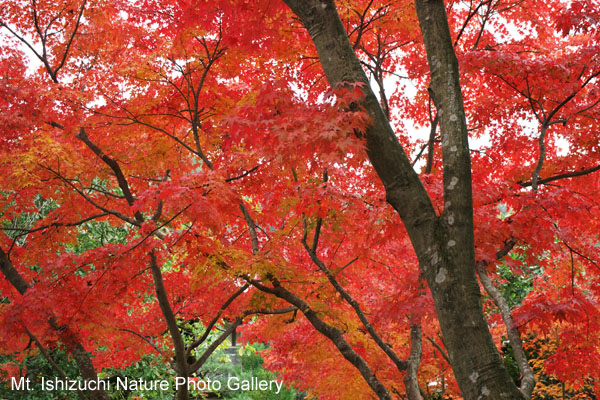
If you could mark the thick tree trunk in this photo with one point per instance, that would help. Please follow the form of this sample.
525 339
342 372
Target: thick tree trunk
444 245
475 360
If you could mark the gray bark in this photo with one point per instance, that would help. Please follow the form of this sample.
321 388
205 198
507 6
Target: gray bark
411 384
514 336
444 245
475 360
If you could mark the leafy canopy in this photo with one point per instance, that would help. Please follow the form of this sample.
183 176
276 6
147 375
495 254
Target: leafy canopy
204 133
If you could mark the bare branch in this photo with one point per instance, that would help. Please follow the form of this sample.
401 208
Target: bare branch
591 261
106 210
439 348
122 181
251 227
431 143
167 311
514 337
246 173
214 321
411 383
400 364
571 174
467 20
55 225
214 345
144 338
48 357
331 332
70 41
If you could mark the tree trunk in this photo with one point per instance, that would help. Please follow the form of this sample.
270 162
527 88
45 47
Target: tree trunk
444 245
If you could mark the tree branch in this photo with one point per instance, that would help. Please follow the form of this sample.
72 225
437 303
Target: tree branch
122 181
571 174
411 382
331 332
167 311
81 356
440 349
144 338
214 321
400 364
214 345
251 227
51 360
98 206
514 337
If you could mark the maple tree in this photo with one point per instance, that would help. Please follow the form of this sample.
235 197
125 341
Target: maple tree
255 166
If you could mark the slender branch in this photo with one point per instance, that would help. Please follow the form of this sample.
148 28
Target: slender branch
319 223
469 17
431 145
104 192
346 266
362 25
312 251
214 321
229 330
71 38
514 337
41 57
411 383
439 348
144 338
246 173
214 345
251 227
55 225
400 364
98 206
571 174
591 261
332 333
135 119
546 118
527 96
542 145
583 110
486 17
167 311
122 181
51 360
156 231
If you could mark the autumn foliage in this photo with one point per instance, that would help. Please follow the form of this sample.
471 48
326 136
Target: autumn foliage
205 133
